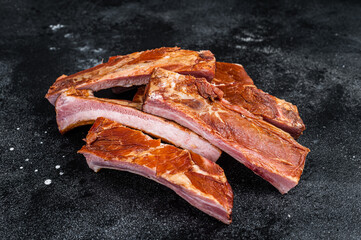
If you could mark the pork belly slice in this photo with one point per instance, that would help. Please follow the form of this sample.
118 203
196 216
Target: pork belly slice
241 93
79 107
198 180
135 69
267 150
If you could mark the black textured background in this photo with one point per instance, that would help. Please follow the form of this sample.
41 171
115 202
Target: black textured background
307 52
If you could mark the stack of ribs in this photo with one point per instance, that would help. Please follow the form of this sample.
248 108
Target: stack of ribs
193 108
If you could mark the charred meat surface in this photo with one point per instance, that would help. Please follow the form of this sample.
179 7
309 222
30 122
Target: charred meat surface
196 179
79 107
268 151
240 92
135 69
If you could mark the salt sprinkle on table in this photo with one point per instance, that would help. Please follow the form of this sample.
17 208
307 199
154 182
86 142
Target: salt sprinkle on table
47 181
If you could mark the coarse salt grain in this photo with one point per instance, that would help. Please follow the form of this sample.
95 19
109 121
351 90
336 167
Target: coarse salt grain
56 27
47 181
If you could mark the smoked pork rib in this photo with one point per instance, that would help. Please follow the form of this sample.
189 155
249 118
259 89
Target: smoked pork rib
268 151
240 91
196 179
79 107
135 69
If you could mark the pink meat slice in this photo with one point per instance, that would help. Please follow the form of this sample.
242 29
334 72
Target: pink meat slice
198 180
135 69
241 93
268 151
79 107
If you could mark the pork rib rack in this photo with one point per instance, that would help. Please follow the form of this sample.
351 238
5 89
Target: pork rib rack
268 151
196 179
79 107
241 93
135 69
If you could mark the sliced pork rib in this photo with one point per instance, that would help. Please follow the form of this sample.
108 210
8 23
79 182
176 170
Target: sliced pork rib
268 151
196 179
135 69
240 92
79 107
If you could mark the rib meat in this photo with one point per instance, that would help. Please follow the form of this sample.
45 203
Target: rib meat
79 107
268 151
196 179
135 69
240 92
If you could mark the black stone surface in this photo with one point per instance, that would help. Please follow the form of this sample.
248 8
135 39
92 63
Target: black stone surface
307 52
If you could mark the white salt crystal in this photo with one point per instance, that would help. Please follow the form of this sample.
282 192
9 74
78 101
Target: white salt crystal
47 181
56 27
